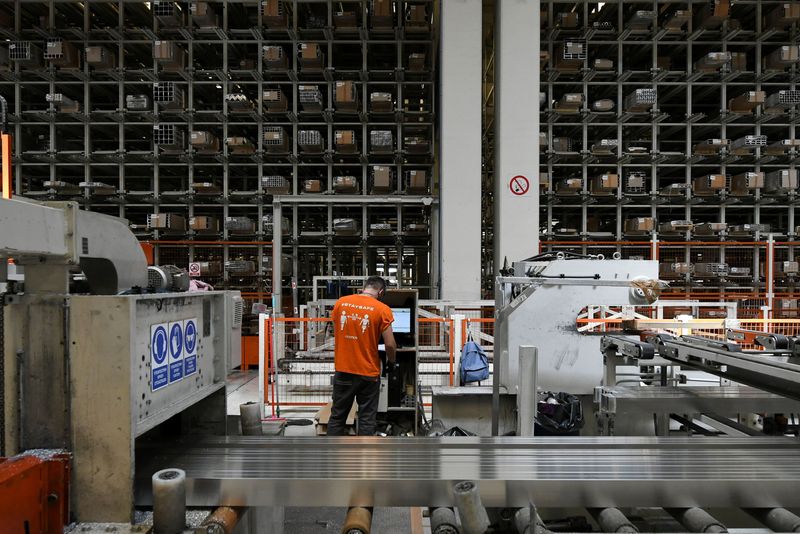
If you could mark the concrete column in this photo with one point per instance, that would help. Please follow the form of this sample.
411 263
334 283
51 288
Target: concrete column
516 144
460 149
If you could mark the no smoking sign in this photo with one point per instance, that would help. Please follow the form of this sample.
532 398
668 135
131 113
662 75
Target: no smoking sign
519 185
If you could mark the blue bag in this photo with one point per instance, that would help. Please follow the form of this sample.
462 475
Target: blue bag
474 363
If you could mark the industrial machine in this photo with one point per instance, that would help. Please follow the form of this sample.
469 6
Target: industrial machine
98 371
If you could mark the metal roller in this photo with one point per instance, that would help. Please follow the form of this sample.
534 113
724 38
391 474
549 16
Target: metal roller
223 520
474 519
250 417
612 520
169 501
357 521
443 521
777 519
697 520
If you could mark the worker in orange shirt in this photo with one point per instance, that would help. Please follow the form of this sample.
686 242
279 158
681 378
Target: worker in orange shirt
359 322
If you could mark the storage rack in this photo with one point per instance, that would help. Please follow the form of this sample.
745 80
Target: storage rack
207 59
653 47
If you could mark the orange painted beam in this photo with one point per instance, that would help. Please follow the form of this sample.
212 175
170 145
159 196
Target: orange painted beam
5 171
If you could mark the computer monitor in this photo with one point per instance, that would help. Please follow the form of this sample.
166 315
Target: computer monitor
402 320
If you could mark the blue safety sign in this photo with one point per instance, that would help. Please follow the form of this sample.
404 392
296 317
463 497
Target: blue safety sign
175 351
158 356
190 346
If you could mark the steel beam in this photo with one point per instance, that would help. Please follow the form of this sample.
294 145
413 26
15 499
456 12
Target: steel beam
511 472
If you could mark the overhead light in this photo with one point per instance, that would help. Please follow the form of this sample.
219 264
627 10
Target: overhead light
218 86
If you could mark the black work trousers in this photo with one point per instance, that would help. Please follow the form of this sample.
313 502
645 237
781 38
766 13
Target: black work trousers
365 390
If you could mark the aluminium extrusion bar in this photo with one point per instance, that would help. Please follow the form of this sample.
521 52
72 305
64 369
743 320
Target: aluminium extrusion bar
510 472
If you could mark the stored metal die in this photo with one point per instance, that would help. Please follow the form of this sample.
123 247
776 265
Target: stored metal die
381 102
748 229
382 14
238 102
382 180
168 95
206 188
204 224
603 64
169 138
274 57
380 229
204 142
63 103
738 62
570 103
416 62
641 20
569 186
346 96
709 228
417 18
711 269
562 144
639 225
170 56
345 20
787 267
746 102
61 187
745 183
605 184
274 101
268 221
310 141
603 106
636 183
712 62
100 58
98 188
381 141
675 269
204 14
310 97
713 14
710 184
345 184
782 100
274 14
416 144
62 54
240 267
606 147
167 13
677 20
275 185
416 228
240 225
781 181
416 181
138 103
679 225
275 140
345 141
166 221
313 186
745 145
568 19
570 56
205 268
781 147
782 57
311 56
25 54
238 145
710 147
345 227
784 15
640 101
674 190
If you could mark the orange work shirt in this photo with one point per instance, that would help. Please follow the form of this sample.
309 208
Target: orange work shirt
358 322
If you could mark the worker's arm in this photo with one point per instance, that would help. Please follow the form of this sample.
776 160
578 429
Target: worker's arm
391 344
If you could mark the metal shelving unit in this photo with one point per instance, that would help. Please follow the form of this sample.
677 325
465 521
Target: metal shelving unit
610 155
140 108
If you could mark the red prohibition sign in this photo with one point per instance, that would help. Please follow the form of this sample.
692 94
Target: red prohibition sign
519 185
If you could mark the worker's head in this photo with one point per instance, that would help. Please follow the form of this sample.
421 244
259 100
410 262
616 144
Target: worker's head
376 286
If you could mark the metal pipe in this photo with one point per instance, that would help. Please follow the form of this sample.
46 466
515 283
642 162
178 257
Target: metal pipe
697 520
474 519
776 519
223 520
527 398
250 419
612 520
169 501
443 521
357 521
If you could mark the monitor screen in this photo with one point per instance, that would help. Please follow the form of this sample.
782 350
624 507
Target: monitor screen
402 320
